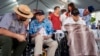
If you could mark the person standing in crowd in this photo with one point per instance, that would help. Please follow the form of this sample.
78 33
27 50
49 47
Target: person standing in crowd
41 30
66 14
49 14
86 14
55 18
75 18
63 15
13 32
71 6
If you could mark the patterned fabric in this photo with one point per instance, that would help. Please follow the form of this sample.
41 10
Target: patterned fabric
81 40
35 26
9 21
85 18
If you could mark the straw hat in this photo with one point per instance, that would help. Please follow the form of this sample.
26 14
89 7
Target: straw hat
24 11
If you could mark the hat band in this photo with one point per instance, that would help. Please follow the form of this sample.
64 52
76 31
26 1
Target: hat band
22 12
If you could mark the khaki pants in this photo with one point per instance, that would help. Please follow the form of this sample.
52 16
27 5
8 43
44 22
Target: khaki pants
39 40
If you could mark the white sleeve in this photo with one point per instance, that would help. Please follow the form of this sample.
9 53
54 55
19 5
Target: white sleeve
66 21
62 18
84 22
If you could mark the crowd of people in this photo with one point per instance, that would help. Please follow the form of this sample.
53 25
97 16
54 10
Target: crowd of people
14 27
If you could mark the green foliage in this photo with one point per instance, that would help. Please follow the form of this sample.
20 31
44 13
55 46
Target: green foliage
93 19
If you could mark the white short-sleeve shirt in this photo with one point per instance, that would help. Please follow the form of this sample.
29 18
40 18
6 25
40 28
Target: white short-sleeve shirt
70 20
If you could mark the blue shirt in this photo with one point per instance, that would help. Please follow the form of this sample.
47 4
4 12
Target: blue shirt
86 18
35 26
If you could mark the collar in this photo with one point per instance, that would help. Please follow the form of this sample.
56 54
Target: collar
14 16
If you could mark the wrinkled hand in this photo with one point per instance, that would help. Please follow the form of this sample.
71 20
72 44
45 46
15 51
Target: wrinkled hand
20 38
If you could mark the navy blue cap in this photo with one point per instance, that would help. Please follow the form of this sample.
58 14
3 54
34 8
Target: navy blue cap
39 12
91 9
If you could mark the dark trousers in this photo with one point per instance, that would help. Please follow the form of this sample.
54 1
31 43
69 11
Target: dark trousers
11 47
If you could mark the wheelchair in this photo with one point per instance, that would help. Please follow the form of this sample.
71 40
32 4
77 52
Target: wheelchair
63 48
29 51
60 37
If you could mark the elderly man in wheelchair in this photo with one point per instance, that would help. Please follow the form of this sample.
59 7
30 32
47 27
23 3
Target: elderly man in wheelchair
41 32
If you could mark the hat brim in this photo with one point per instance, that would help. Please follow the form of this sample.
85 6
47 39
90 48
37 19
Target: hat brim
26 16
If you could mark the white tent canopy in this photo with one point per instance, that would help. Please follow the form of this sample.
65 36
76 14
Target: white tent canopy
7 5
